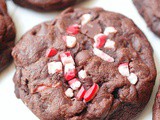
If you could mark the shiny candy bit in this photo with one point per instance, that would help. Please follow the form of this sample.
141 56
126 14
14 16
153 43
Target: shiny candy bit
100 40
74 84
73 29
82 74
81 93
69 71
109 44
109 30
69 92
54 67
70 41
85 19
124 69
132 78
51 52
103 55
66 58
91 92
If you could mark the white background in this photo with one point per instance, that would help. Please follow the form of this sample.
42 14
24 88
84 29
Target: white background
13 109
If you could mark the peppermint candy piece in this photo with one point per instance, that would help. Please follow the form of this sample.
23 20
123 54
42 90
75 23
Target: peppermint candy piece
70 41
51 52
109 44
82 74
74 84
81 93
100 40
103 55
69 71
66 58
54 67
85 19
109 30
73 29
69 92
123 69
133 79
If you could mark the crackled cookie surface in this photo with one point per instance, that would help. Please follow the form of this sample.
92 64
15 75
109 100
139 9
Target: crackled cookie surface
149 9
45 5
7 35
88 64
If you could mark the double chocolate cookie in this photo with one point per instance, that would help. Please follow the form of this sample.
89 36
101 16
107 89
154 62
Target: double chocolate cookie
7 36
88 64
156 106
45 5
150 10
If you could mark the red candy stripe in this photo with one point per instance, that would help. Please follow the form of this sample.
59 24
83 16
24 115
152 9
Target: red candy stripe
81 93
51 52
73 29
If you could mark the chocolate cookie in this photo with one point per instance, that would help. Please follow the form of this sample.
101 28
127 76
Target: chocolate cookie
7 36
156 106
88 64
45 5
150 10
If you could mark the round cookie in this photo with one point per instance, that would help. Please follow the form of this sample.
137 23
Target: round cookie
149 9
88 64
156 106
45 5
7 36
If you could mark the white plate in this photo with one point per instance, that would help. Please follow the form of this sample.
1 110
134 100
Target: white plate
13 109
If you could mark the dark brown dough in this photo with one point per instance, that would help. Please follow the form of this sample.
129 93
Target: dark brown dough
117 98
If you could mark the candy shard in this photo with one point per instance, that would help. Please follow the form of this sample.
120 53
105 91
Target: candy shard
69 71
85 19
103 55
132 78
74 84
51 52
82 74
54 67
70 41
69 92
123 69
109 30
73 29
81 93
109 44
100 40
66 58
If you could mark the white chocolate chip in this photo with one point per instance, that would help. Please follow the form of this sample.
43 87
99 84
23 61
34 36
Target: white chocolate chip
82 74
109 30
70 41
132 78
85 19
103 55
124 69
75 85
54 67
109 44
69 92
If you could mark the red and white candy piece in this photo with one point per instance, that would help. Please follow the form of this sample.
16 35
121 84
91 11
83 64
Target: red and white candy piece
85 19
132 78
69 71
54 67
123 69
91 92
81 93
66 58
82 74
69 92
109 30
73 29
109 44
40 88
74 84
103 55
100 40
51 52
70 41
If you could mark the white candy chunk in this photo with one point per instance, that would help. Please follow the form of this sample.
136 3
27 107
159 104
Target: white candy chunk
109 44
85 19
66 58
75 85
103 55
70 41
132 78
124 69
54 67
68 67
69 92
82 74
109 30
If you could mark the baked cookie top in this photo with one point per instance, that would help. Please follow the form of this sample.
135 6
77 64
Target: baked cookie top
87 64
7 35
